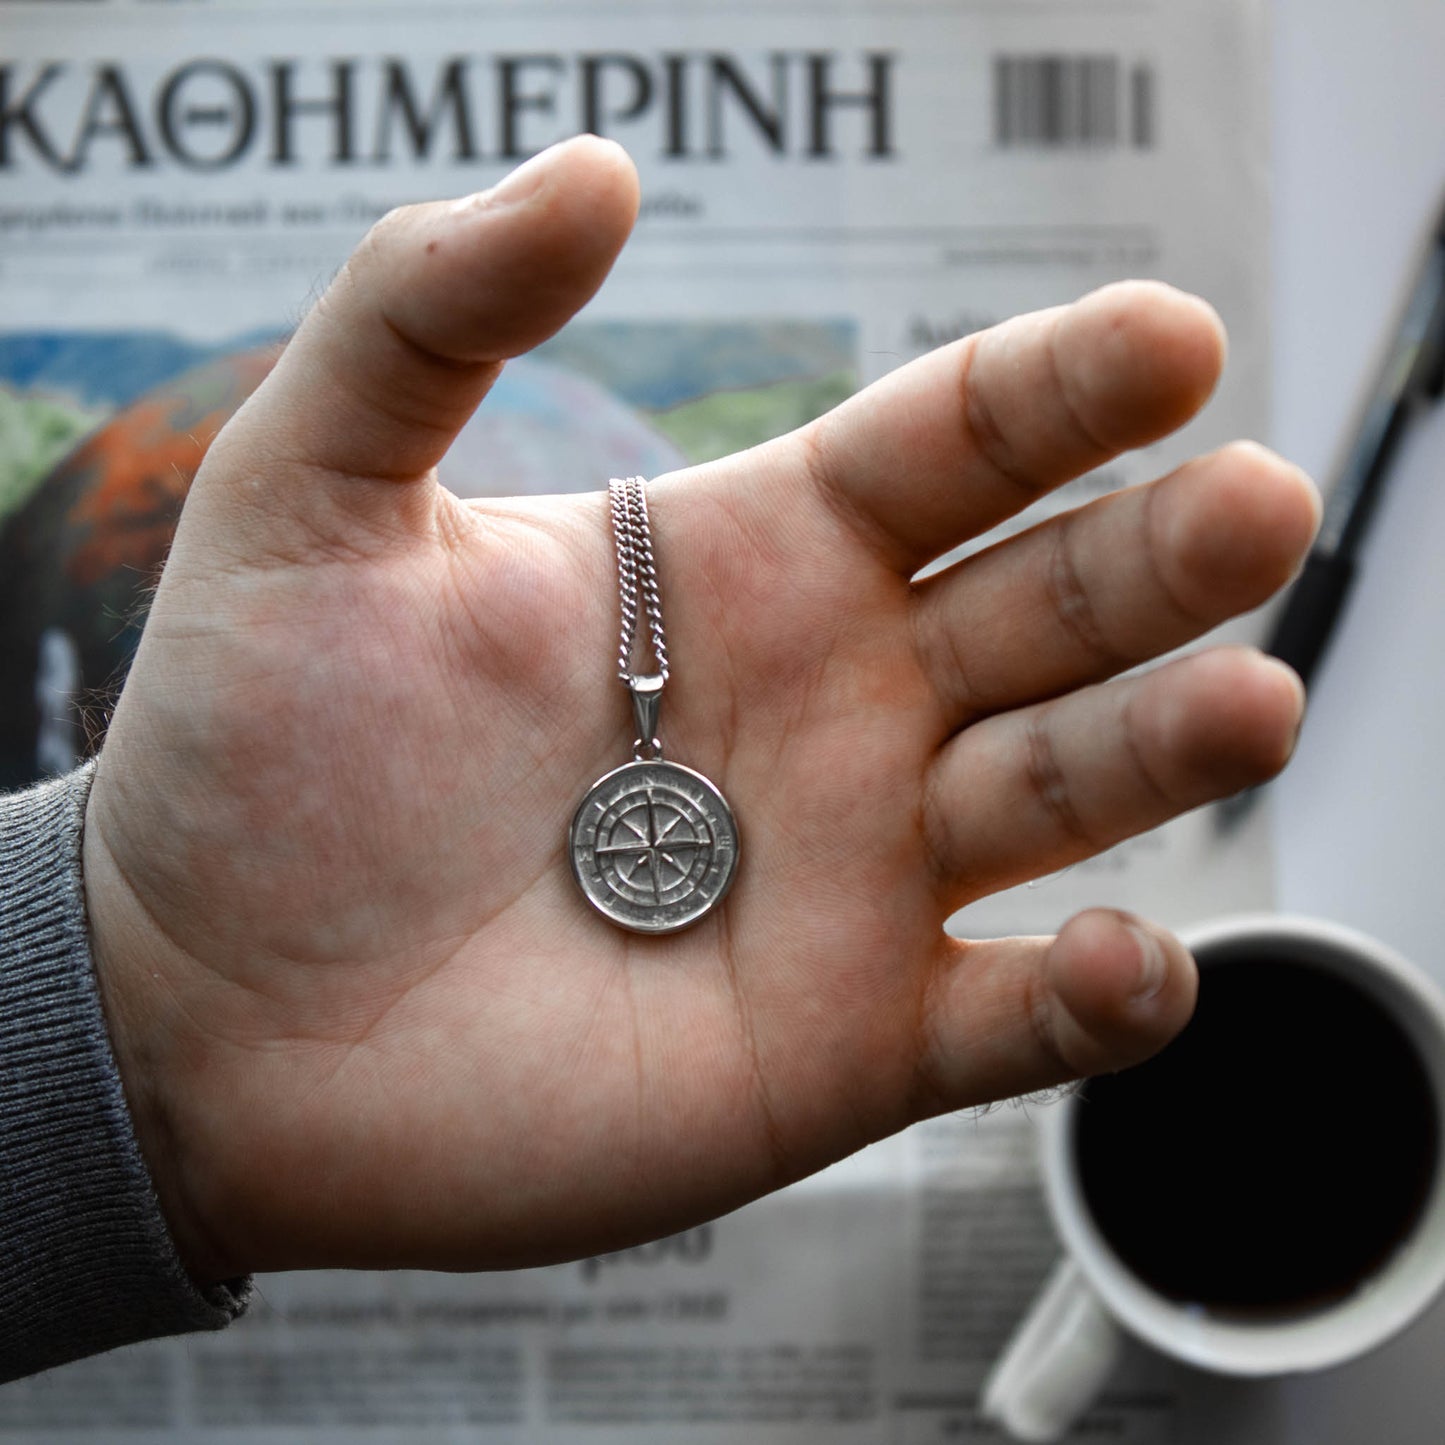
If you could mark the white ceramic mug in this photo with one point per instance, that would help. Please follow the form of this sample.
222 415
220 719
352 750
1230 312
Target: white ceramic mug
1070 1340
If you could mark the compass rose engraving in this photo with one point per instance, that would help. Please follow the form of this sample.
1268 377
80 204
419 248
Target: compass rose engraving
654 846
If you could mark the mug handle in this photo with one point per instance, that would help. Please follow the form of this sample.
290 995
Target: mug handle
1057 1361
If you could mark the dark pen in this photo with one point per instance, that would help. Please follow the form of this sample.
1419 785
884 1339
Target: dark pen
1413 376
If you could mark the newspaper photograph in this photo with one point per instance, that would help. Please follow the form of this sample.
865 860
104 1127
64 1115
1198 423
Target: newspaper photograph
830 188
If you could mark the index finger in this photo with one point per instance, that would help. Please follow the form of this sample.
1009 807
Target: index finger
946 447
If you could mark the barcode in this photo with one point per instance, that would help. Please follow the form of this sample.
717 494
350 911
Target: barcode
1062 101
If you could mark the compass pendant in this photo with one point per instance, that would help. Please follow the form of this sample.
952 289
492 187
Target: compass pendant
654 846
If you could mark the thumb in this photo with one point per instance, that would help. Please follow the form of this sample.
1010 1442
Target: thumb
411 334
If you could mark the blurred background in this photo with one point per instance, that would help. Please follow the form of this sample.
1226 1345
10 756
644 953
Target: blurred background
1358 111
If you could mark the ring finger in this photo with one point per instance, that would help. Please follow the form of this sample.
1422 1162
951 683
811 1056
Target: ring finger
1033 790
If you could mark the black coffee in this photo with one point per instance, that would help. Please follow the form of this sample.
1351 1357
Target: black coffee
1271 1158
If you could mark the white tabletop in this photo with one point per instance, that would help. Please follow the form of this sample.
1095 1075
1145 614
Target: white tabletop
1359 175
1359 129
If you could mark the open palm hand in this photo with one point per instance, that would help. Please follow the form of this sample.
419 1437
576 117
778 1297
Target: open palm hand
362 1012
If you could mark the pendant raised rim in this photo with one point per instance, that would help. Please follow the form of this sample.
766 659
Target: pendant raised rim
664 921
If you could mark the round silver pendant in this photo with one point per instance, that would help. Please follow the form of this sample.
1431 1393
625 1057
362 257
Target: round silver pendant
654 846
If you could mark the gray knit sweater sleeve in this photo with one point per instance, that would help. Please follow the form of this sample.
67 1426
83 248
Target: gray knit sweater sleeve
86 1263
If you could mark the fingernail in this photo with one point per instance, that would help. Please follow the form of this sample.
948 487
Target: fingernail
1283 669
1153 965
523 182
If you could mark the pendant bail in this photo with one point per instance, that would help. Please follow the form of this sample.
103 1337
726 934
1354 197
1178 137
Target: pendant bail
646 691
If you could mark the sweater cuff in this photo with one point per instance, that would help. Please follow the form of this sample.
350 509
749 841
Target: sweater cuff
86 1260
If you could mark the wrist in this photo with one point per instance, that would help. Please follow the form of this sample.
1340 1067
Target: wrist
150 1040
90 1263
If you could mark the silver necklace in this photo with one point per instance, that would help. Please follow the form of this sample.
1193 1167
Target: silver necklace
653 844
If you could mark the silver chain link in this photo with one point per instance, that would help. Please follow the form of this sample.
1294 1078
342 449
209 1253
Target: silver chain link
636 574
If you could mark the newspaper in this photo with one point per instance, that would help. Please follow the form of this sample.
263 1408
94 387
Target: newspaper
830 188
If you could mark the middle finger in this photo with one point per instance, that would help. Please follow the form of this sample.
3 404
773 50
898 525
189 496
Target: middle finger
1130 576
